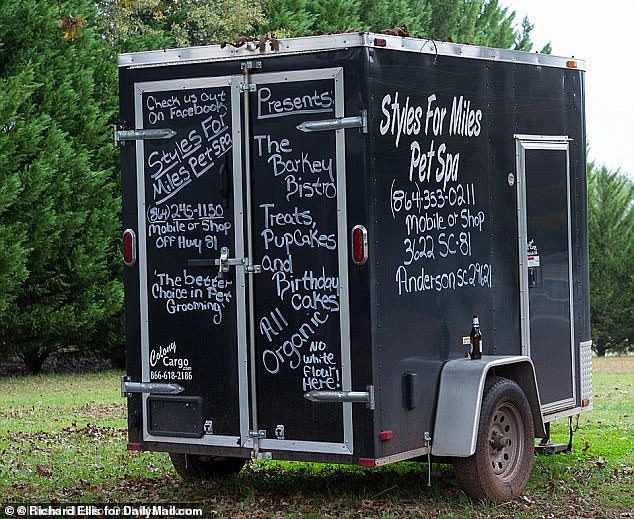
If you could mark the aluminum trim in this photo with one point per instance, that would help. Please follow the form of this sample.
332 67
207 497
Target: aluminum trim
585 369
333 42
140 89
414 453
568 412
209 439
525 330
552 407
542 138
243 383
304 446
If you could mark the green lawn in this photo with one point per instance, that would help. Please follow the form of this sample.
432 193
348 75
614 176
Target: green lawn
62 439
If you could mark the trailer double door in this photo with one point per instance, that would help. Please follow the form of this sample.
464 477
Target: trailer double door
242 261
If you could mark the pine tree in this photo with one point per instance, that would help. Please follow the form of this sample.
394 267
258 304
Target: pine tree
481 22
287 18
336 15
66 210
15 92
611 240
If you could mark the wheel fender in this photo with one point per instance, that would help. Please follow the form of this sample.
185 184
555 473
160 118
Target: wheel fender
460 397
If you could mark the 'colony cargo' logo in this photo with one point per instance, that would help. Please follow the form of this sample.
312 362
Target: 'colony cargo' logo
166 356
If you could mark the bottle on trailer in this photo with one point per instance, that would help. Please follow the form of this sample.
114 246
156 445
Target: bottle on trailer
476 339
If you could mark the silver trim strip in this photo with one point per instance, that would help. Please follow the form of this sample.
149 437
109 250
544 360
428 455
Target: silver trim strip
414 453
553 407
238 216
340 41
568 412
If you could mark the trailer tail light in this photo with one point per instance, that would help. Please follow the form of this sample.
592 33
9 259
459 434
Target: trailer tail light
385 436
367 462
380 42
129 247
134 448
359 244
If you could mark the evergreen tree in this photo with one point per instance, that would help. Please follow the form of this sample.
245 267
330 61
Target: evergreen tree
288 18
611 240
65 212
481 22
15 92
134 25
336 15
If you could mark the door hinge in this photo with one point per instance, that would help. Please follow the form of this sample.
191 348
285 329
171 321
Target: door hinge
120 136
247 87
128 387
340 123
250 65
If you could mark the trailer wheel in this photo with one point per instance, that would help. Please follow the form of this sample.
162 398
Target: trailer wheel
501 465
194 467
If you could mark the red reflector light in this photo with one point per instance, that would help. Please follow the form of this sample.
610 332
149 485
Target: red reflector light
359 244
134 448
365 462
385 435
129 247
380 42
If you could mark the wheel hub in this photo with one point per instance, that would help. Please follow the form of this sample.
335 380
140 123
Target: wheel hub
505 440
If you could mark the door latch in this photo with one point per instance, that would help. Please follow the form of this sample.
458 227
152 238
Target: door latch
223 262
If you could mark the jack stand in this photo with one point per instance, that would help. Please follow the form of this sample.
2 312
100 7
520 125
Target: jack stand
547 447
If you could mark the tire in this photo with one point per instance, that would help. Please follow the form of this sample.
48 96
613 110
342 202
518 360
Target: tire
193 467
501 465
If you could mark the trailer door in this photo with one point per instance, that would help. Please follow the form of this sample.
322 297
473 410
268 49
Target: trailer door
546 266
190 262
299 240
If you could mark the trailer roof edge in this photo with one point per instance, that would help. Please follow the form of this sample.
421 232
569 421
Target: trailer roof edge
288 46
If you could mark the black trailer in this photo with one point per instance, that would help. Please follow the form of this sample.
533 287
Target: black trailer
310 226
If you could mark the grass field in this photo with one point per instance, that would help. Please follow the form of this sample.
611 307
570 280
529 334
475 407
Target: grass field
62 439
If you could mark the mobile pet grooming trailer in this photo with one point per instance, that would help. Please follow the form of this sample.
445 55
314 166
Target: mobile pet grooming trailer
310 226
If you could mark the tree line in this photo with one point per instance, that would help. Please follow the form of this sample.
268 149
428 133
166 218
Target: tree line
60 216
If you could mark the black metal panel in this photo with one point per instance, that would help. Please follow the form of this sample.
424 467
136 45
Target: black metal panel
502 115
297 305
549 280
177 416
431 236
